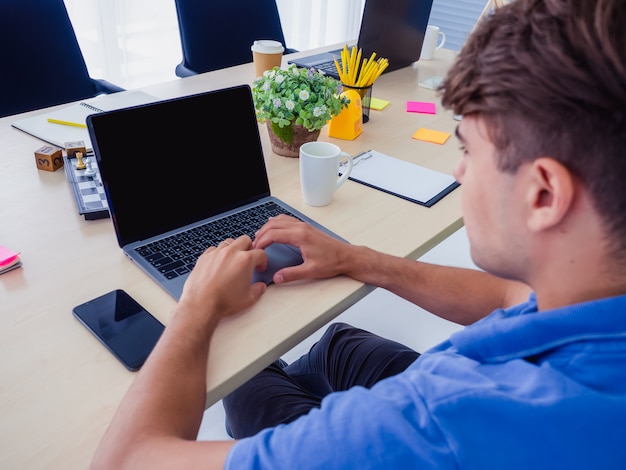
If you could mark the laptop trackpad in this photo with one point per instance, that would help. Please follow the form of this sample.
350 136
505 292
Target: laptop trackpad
278 256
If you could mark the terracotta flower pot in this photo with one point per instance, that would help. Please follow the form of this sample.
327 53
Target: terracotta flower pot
286 141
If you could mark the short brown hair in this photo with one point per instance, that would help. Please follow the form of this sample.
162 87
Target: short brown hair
549 79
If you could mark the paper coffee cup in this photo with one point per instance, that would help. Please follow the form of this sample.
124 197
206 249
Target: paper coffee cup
266 55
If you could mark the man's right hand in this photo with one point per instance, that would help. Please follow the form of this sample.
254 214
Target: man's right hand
220 283
324 255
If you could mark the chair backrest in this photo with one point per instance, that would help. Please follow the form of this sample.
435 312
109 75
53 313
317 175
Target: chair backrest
218 33
41 62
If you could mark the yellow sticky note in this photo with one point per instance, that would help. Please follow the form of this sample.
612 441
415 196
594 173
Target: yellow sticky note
429 135
378 104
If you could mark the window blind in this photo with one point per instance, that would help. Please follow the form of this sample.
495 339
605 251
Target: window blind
456 18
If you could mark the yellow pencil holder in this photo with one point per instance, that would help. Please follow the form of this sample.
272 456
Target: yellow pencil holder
365 92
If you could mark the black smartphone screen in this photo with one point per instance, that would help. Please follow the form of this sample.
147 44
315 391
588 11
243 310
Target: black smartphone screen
122 325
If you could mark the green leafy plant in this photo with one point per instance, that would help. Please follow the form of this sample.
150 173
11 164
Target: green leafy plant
296 96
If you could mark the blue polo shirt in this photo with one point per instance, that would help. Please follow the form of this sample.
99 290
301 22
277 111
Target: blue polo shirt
517 390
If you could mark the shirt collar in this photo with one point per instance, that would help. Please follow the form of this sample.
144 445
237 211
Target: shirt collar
521 331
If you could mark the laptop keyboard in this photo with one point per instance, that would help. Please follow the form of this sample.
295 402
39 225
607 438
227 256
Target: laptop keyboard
329 68
177 254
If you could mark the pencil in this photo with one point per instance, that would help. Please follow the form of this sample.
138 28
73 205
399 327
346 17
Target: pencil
352 69
339 71
344 60
67 123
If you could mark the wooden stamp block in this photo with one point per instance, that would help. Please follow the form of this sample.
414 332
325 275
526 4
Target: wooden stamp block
72 147
49 158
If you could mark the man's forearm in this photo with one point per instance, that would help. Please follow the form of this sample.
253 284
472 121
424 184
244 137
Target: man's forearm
457 294
163 408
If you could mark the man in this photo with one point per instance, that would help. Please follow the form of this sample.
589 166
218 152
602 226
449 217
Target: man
534 381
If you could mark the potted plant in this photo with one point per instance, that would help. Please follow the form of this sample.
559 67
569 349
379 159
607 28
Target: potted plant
295 104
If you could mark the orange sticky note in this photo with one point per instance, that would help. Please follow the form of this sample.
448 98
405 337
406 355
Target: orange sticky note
429 135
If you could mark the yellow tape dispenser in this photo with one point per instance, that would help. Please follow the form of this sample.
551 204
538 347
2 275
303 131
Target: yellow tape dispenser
348 124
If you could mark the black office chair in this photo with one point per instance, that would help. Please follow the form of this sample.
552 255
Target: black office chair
41 63
216 34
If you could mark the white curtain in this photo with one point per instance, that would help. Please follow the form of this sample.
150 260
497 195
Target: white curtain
131 43
134 43
314 23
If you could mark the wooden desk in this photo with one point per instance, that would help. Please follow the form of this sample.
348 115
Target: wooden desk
60 387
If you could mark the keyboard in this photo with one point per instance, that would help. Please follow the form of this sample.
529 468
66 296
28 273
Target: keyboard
177 254
329 68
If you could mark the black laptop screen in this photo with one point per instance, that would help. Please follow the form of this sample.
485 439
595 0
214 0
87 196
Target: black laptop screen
167 164
394 29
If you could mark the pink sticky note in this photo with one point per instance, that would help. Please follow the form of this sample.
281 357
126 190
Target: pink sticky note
420 107
6 255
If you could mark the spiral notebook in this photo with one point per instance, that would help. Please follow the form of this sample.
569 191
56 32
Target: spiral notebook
59 134
400 178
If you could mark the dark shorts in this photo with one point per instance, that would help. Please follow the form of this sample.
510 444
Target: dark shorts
344 357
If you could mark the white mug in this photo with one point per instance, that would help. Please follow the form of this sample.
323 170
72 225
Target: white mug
431 38
319 171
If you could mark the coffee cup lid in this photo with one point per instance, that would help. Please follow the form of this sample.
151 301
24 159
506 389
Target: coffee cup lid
267 46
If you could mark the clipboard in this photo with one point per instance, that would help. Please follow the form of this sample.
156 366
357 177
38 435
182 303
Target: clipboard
399 178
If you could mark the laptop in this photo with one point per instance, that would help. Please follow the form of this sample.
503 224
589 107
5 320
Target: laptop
394 29
176 171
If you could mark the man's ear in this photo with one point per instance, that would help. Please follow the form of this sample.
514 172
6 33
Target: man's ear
550 193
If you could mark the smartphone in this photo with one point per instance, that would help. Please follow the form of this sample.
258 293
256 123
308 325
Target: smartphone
122 325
